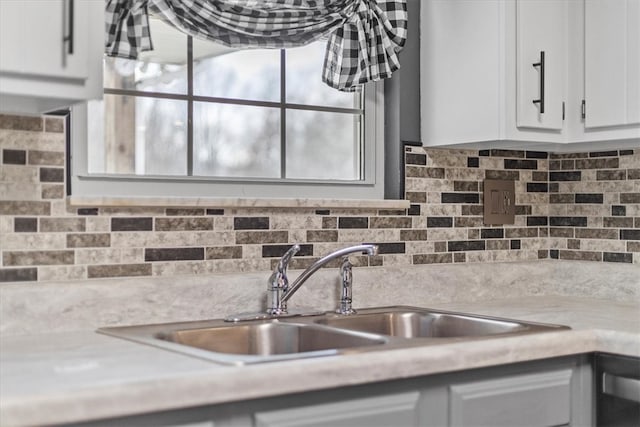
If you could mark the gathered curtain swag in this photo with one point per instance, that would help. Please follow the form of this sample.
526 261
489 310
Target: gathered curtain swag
364 36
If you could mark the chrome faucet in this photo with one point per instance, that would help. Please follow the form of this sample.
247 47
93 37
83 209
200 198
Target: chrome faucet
279 291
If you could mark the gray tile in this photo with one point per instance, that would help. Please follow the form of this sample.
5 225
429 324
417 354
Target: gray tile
581 255
224 252
131 224
119 270
53 124
628 198
20 122
18 274
184 224
258 237
597 163
596 233
17 258
52 192
389 222
51 175
432 258
89 240
14 157
422 172
54 225
46 158
173 254
413 235
11 207
25 225
322 236
416 197
329 222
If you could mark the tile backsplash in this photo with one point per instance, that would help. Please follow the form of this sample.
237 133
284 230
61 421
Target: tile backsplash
578 206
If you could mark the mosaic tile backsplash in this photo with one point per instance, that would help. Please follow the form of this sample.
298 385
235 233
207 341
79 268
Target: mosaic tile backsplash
578 206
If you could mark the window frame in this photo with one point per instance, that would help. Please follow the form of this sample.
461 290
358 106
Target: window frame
371 186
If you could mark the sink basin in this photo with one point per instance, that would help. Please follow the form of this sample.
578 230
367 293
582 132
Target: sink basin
327 334
250 342
413 324
268 339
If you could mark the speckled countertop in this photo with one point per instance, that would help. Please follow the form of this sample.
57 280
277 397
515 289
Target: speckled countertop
77 376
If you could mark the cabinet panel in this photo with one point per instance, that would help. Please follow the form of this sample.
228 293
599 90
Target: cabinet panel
399 409
37 72
541 40
461 71
32 37
612 62
542 399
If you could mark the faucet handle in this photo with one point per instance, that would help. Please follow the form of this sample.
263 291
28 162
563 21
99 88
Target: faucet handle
278 282
283 264
346 276
279 276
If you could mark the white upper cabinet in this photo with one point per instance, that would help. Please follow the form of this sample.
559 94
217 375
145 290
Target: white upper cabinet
461 77
541 65
483 75
50 53
612 62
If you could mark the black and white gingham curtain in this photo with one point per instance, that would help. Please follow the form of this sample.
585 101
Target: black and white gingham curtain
364 36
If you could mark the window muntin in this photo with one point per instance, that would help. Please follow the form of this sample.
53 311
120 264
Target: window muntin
249 113
94 171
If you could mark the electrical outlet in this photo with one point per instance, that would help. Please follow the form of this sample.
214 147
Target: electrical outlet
499 202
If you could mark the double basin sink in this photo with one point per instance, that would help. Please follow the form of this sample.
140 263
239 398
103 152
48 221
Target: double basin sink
372 329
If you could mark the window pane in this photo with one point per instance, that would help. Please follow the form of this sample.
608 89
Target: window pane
161 70
323 145
252 74
236 140
304 79
144 136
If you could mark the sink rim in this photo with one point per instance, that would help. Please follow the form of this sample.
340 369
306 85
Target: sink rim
153 334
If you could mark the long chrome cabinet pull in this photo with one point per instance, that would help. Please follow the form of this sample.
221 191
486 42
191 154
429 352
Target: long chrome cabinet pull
541 99
69 37
625 388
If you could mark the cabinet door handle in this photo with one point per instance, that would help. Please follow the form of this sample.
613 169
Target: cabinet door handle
541 99
69 37
625 388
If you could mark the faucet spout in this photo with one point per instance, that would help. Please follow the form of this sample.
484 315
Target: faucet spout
370 250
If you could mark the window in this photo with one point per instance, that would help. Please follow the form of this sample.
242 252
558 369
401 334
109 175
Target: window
206 120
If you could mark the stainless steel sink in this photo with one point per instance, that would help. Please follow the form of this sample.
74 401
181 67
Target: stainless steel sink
250 342
417 324
328 334
267 339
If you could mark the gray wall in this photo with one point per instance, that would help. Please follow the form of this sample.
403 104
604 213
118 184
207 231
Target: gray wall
402 106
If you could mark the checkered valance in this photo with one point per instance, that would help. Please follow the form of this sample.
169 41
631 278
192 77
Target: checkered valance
364 36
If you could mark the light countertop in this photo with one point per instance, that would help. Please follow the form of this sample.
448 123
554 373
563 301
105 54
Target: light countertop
78 376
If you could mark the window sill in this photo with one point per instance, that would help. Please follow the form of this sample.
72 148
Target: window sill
210 202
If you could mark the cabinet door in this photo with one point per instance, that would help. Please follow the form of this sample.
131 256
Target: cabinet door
612 62
541 67
32 37
541 399
461 76
400 409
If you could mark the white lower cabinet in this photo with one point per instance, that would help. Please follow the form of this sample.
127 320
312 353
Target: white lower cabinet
543 393
399 409
541 399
